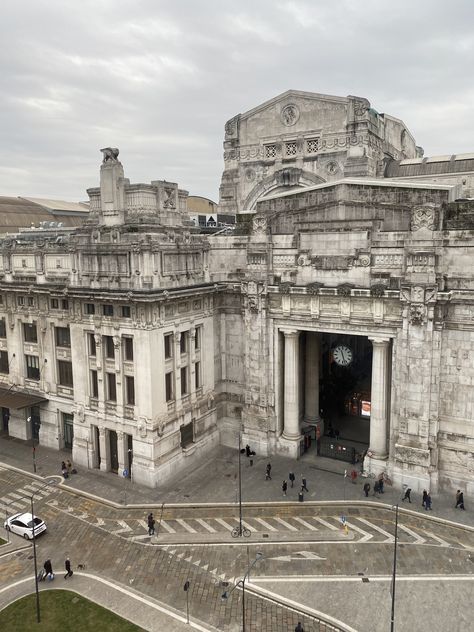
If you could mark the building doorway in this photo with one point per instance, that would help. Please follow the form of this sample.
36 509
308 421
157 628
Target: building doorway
68 428
5 420
35 421
114 463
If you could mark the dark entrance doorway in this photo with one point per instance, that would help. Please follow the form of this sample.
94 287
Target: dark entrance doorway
5 420
114 464
35 421
68 422
130 454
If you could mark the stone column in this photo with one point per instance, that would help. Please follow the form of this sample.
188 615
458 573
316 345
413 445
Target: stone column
313 351
379 395
122 453
291 428
104 450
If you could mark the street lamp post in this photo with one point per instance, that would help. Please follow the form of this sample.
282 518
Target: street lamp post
241 582
38 617
240 485
394 571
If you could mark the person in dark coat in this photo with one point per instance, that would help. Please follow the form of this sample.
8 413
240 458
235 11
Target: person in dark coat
376 488
291 478
248 451
459 500
423 501
48 569
67 566
284 487
428 502
299 627
151 524
366 489
268 476
407 494
303 484
64 469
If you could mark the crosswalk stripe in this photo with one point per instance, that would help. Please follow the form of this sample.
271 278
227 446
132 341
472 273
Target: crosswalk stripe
205 525
249 526
167 527
305 524
143 524
184 524
265 524
388 535
437 538
14 496
285 524
14 504
418 539
224 523
326 523
365 536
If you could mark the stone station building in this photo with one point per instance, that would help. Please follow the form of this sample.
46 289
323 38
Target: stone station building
345 297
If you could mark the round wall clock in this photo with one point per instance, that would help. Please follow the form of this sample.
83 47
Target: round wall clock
342 355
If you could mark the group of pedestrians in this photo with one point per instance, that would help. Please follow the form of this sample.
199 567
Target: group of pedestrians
67 469
47 572
291 478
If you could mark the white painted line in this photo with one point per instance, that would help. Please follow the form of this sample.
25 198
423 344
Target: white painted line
418 539
125 527
224 523
143 523
437 538
365 536
285 524
140 537
249 526
326 524
15 504
206 525
167 527
266 524
184 524
14 496
306 524
372 578
389 536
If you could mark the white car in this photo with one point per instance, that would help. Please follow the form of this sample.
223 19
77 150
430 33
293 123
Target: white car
22 524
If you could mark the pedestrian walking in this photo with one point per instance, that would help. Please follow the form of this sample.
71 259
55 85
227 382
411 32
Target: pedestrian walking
407 495
268 475
376 488
291 478
459 500
428 502
284 487
366 489
151 524
303 484
64 470
423 501
67 566
318 440
299 627
353 476
381 480
48 569
69 467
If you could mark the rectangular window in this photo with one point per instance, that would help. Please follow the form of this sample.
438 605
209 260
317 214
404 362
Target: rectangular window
183 342
92 345
270 151
107 310
126 311
169 386
187 434
130 390
197 375
291 149
168 346
198 338
31 301
111 387
20 300
64 304
54 303
312 145
4 367
63 337
30 333
3 328
94 385
32 367
109 347
65 373
184 380
128 349
89 308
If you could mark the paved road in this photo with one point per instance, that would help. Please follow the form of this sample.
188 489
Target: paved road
303 545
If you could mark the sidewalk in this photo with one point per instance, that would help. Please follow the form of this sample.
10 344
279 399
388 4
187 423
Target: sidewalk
215 481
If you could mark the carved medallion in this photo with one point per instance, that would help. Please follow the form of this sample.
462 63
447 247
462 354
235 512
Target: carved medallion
332 167
259 224
423 217
417 314
290 115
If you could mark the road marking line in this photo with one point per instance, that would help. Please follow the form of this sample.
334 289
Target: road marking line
388 535
249 526
325 523
418 538
15 504
16 496
437 538
365 536
306 524
143 523
125 528
224 523
285 523
206 525
372 578
266 524
167 527
184 524
143 536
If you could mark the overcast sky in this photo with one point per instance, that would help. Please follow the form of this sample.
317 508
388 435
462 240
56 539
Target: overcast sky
159 79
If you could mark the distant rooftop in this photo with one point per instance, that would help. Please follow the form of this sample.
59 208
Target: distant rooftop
17 213
430 166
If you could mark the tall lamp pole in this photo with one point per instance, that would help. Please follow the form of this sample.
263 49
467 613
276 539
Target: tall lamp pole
241 582
240 486
38 616
394 571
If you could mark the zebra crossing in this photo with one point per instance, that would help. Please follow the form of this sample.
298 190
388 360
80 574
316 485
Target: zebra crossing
20 500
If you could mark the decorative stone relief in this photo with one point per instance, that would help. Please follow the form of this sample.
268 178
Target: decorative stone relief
361 107
141 426
79 413
417 314
250 175
290 115
344 289
415 456
169 201
304 260
313 288
363 260
260 224
387 261
288 177
332 167
378 290
423 217
282 261
285 287
417 294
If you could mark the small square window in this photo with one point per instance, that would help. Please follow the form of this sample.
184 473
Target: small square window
31 301
107 310
270 151
54 303
64 304
89 308
20 300
30 333
126 312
